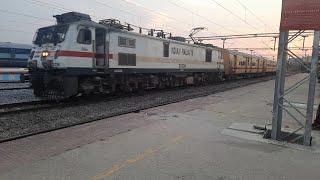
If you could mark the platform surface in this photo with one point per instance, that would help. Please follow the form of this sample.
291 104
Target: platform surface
176 141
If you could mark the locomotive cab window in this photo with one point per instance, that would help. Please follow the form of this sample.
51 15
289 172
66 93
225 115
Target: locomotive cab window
84 36
208 55
165 49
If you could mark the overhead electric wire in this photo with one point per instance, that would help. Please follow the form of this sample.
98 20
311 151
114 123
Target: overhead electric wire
12 30
127 12
26 22
197 14
241 20
107 5
255 15
291 48
214 1
23 22
156 12
49 5
260 19
26 15
217 23
234 14
270 34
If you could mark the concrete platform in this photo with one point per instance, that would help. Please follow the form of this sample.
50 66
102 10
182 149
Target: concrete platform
177 141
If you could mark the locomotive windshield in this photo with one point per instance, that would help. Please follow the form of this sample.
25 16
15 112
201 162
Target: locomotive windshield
52 34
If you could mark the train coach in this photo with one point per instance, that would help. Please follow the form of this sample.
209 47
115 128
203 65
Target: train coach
238 64
79 56
13 61
14 55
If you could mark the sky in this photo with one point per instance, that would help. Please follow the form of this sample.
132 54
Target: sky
21 18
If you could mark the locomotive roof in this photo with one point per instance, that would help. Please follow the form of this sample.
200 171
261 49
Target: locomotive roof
97 25
85 20
15 45
245 54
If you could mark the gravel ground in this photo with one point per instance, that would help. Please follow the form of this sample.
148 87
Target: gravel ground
14 85
16 96
30 122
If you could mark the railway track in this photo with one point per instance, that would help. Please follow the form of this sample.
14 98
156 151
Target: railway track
6 109
45 105
14 108
16 88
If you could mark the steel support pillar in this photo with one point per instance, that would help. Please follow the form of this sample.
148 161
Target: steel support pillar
279 92
312 87
279 85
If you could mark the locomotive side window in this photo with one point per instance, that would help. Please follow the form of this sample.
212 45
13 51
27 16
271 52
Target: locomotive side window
132 60
127 59
122 61
122 41
126 42
208 55
165 49
132 43
84 36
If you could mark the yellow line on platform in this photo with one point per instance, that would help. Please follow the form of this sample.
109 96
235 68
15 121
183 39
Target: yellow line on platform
147 153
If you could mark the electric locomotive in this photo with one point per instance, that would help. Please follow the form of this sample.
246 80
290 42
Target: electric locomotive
78 56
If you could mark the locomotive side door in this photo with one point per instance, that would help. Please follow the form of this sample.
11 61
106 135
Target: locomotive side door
100 49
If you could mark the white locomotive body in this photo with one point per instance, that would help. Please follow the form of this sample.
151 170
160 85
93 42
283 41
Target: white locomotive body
80 56
163 54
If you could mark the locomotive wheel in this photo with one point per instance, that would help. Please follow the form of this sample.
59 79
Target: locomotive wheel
141 89
161 85
172 82
120 90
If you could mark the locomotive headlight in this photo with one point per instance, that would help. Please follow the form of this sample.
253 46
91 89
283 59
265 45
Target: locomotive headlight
45 54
